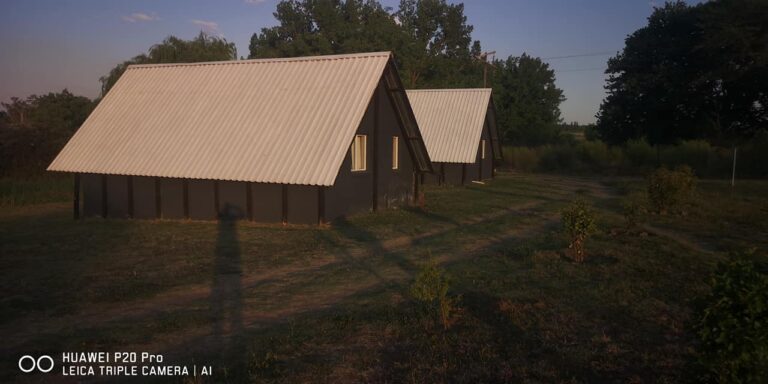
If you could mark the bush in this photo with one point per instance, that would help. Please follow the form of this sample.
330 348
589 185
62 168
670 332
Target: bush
522 159
733 326
430 289
638 158
639 154
634 208
578 222
669 189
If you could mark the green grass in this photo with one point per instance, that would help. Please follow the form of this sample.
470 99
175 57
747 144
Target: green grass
288 304
16 192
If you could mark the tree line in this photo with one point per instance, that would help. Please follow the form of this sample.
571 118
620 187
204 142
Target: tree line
694 72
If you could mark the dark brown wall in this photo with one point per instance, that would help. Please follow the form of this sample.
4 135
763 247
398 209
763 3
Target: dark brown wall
487 163
117 196
302 204
144 199
202 203
353 191
452 172
171 198
267 200
233 199
395 187
90 185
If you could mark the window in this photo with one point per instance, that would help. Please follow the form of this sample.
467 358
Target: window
358 153
395 152
482 149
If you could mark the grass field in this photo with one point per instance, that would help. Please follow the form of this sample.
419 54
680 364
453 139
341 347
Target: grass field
298 304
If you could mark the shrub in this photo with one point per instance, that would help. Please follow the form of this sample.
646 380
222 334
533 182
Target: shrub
522 159
559 158
430 289
668 189
733 326
639 154
634 209
578 222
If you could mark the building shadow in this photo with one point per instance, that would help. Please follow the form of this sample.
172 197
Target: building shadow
226 300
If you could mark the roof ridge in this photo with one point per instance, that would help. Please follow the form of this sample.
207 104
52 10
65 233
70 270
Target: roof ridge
360 55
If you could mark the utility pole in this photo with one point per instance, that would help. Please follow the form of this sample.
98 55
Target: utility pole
484 57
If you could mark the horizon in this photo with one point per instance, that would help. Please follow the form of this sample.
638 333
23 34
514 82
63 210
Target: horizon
48 46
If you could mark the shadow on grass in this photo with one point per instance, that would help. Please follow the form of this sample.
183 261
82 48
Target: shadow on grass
226 300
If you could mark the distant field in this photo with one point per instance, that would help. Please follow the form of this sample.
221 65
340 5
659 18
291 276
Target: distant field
295 304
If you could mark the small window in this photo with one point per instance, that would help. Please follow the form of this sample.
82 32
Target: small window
482 149
358 153
395 152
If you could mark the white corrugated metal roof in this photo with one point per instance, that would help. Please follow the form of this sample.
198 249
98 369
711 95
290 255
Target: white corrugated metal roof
451 121
272 120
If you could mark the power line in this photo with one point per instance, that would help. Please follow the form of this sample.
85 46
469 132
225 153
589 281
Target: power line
580 55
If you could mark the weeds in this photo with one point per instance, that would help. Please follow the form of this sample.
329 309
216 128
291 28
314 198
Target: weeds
732 328
634 208
579 222
670 189
430 289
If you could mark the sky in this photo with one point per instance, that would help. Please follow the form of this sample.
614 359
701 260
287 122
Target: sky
49 45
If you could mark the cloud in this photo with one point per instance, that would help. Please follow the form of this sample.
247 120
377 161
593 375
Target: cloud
209 27
138 17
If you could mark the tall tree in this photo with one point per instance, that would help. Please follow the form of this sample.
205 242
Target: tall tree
527 101
693 72
175 50
34 129
431 38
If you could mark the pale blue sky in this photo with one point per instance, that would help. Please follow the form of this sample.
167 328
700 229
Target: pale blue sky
47 45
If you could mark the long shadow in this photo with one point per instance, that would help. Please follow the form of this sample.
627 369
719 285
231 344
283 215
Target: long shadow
226 300
431 215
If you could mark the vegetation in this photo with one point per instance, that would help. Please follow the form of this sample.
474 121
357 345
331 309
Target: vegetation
634 207
638 158
669 189
528 101
434 49
430 289
33 130
579 223
694 72
293 304
175 50
732 327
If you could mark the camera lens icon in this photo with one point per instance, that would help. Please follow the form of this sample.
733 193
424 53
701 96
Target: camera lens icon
43 363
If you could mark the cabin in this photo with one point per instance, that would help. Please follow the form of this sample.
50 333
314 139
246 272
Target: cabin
295 140
459 130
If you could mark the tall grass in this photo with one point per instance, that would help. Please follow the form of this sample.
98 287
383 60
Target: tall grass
16 192
639 158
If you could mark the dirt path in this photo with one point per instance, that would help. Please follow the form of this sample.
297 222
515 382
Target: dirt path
684 240
205 338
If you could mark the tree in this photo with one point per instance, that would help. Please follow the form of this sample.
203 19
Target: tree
527 101
174 50
34 129
430 38
693 72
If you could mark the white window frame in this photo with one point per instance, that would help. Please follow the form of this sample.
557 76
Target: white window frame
482 149
359 143
395 153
